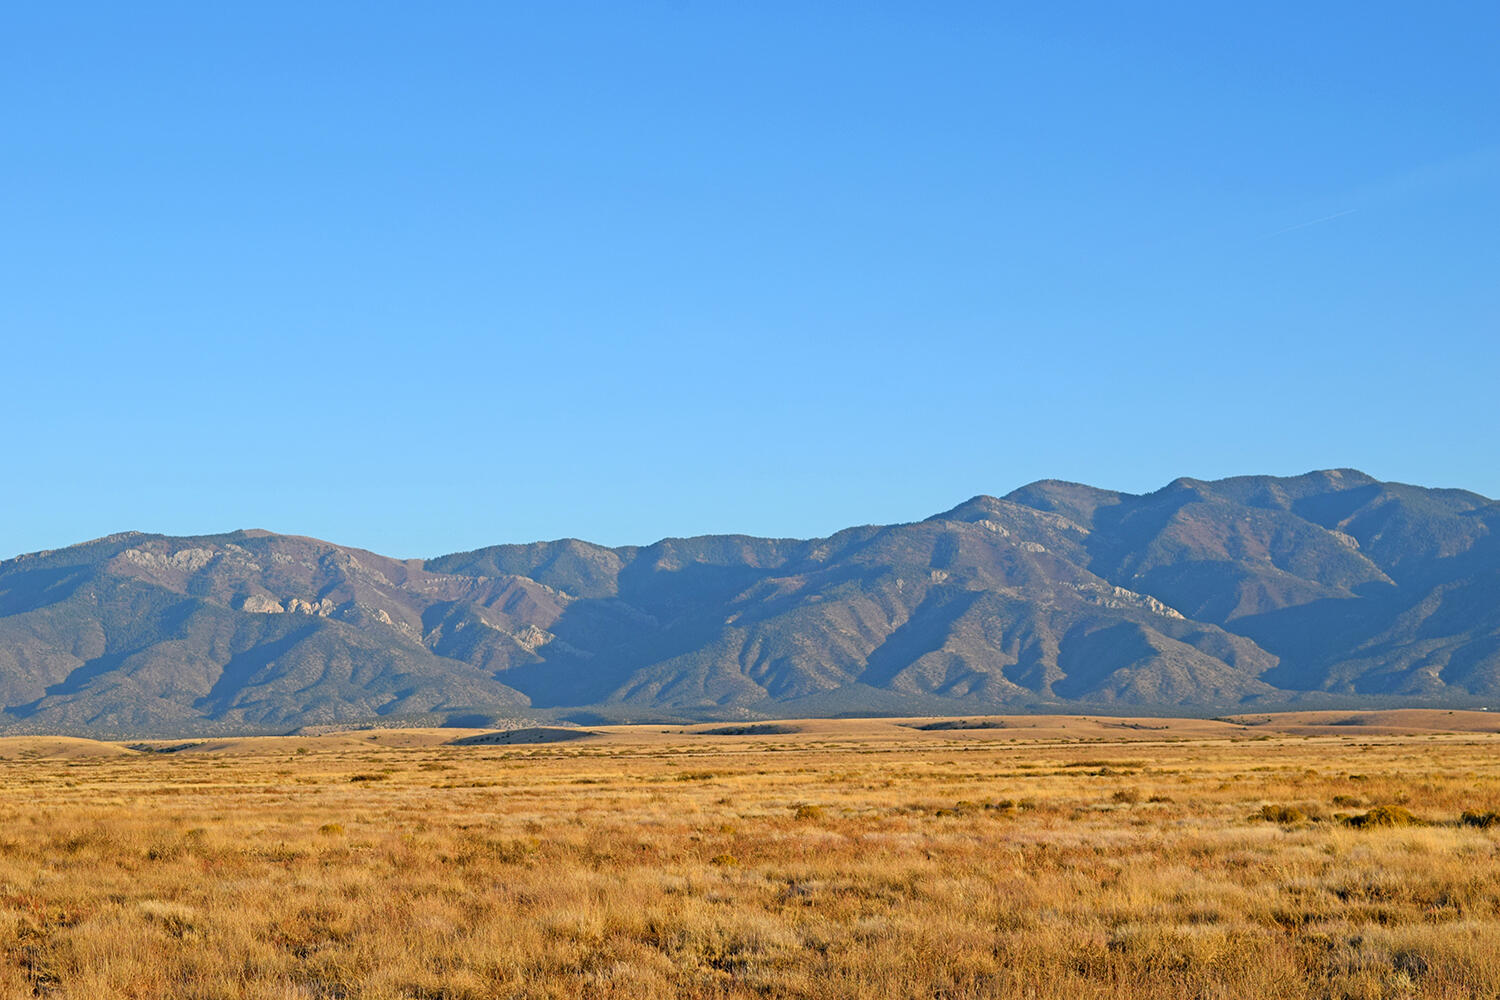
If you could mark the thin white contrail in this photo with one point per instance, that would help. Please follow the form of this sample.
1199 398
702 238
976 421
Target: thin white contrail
1314 222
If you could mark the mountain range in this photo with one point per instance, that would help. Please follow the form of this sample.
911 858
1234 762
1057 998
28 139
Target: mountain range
1330 588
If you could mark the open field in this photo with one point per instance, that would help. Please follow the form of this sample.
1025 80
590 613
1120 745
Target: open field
1029 857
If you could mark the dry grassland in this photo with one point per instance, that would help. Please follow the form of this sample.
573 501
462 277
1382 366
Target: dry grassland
1041 858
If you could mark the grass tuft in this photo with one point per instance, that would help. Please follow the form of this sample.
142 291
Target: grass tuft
1285 814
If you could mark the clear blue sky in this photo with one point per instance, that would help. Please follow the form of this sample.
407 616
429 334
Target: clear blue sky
423 277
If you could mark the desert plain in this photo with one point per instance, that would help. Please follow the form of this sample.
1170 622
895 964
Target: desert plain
1314 854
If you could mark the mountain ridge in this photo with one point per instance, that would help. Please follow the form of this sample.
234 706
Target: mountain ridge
1203 595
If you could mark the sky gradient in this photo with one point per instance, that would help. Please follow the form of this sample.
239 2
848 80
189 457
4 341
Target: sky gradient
421 278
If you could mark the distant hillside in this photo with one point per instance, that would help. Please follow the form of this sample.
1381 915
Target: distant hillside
1234 594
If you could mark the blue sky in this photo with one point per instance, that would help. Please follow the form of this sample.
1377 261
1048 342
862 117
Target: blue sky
421 278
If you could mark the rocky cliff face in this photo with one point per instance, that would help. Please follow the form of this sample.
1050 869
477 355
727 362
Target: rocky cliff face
1253 590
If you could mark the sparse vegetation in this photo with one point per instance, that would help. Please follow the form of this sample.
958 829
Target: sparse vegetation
942 725
868 860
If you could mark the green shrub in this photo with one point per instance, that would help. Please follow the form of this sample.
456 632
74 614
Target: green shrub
1384 816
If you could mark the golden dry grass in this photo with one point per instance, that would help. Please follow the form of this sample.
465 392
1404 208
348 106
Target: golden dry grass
1045 858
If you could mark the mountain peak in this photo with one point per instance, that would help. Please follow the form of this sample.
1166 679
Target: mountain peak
1076 501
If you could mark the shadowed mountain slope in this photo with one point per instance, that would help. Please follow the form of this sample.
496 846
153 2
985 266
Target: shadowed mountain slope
1202 595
